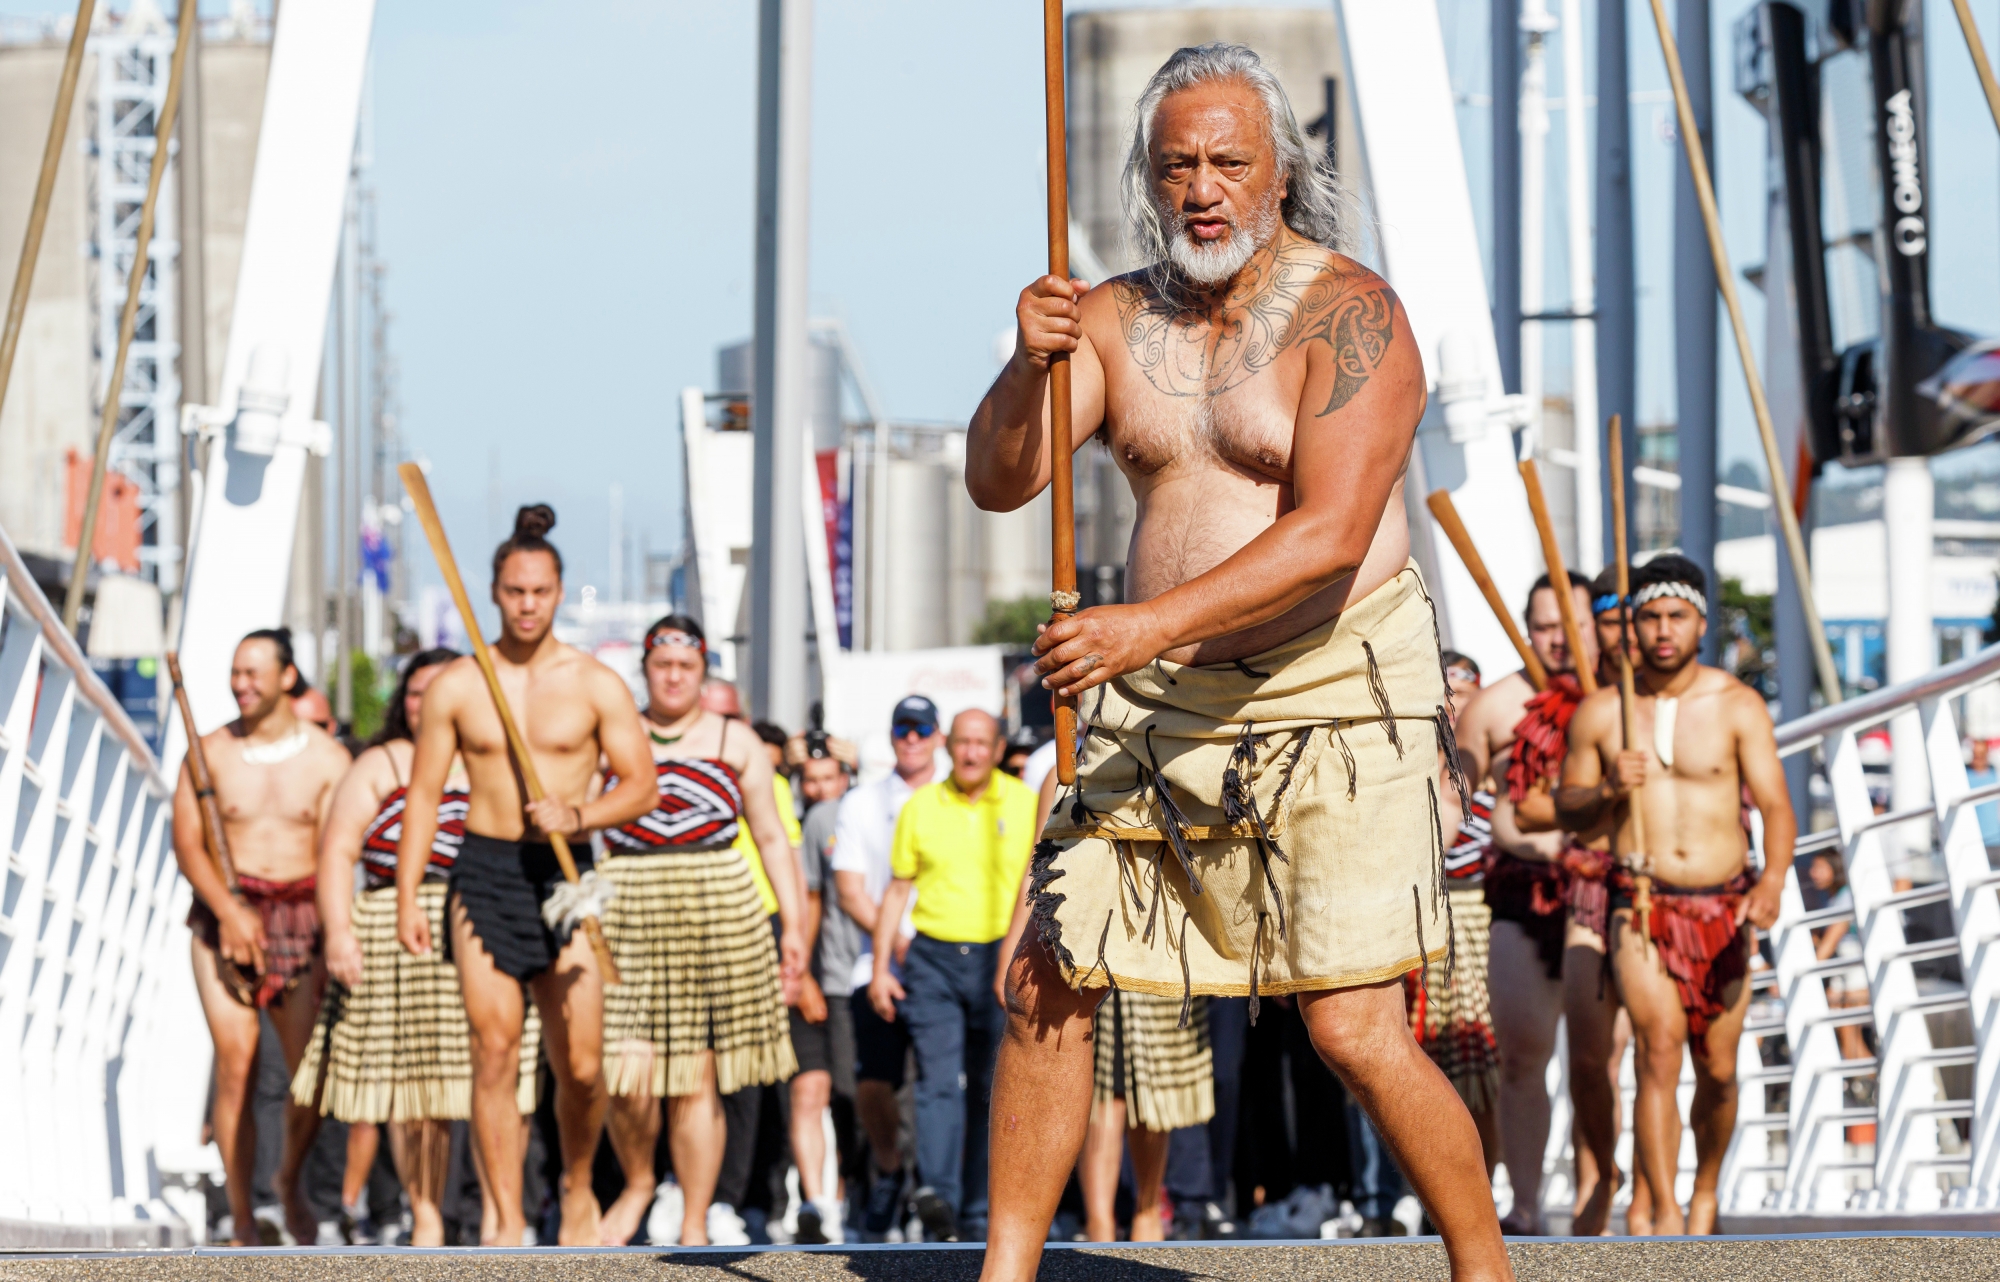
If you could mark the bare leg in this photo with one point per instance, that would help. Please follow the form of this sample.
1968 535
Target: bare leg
1526 1006
634 1125
1639 1211
489 1206
1713 1112
1659 1028
875 1103
1590 1006
696 1134
1149 1168
1041 1108
570 996
235 1030
293 1015
495 1009
422 1152
812 1094
1097 1169
1364 1036
364 1140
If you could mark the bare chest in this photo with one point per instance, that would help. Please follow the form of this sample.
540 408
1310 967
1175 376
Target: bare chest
287 793
552 712
1247 429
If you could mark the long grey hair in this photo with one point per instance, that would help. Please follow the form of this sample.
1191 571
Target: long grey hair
1314 206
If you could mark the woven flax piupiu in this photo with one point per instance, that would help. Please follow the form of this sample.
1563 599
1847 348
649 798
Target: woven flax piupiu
1162 1069
1263 827
395 1047
700 973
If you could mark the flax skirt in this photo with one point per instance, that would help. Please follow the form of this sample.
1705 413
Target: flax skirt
1163 1072
700 967
396 1048
1451 1008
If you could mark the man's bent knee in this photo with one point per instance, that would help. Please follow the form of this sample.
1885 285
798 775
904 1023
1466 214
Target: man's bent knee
1037 994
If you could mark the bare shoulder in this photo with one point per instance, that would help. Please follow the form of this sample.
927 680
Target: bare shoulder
1742 705
454 680
1595 716
327 752
1498 705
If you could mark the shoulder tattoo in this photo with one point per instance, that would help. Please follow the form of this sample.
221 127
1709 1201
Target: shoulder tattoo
1292 299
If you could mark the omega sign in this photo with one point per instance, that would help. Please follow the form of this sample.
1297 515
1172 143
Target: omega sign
1906 186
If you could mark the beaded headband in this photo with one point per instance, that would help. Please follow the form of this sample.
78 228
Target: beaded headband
1685 591
674 636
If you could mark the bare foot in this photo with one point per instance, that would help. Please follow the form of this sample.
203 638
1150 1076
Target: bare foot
621 1221
300 1221
580 1224
1701 1214
694 1231
1520 1223
1146 1226
1593 1213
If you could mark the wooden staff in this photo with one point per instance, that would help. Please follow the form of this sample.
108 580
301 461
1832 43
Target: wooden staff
1725 280
114 390
1063 598
1558 576
1628 695
420 496
240 980
1977 48
1442 508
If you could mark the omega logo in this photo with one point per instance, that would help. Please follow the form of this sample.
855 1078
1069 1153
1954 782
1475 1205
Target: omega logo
1906 188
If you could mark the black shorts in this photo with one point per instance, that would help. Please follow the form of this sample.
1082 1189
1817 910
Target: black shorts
828 1046
502 885
880 1047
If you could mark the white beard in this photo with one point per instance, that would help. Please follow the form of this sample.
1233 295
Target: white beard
1211 264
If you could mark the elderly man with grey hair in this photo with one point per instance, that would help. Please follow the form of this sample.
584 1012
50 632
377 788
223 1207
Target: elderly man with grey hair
1256 810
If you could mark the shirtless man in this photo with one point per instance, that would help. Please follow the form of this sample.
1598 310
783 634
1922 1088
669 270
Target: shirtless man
1703 736
1261 392
1524 890
574 714
274 778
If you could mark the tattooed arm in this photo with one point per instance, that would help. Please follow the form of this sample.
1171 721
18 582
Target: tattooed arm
1007 445
1357 416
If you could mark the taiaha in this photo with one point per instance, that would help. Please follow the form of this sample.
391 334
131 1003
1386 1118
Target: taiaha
1446 513
1063 598
1628 697
1558 576
420 496
241 981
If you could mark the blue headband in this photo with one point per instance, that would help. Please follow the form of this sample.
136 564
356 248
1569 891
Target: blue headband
1608 601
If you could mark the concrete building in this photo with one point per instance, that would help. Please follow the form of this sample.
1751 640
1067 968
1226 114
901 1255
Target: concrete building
53 403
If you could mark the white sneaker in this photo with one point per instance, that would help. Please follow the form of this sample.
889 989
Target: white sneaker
726 1227
663 1222
831 1213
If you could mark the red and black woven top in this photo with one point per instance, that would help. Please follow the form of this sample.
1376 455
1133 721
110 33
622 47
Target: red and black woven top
378 844
701 805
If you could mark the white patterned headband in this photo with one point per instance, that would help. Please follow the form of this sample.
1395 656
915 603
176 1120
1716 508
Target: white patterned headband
1685 591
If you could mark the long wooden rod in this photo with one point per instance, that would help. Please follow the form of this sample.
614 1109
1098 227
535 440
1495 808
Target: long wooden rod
1725 279
420 497
114 388
1063 599
1628 694
45 187
1559 582
241 981
1454 529
1977 48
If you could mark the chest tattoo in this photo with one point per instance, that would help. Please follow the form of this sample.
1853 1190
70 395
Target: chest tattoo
1288 299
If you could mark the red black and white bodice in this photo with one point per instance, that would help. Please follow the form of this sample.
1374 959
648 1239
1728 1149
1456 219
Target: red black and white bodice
378 844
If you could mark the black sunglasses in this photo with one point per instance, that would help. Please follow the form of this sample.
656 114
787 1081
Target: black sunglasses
921 729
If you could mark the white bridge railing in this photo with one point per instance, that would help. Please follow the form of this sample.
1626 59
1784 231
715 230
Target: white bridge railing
1928 1092
94 985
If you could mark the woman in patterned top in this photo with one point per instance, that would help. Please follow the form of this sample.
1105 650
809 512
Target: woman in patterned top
390 1046
701 1011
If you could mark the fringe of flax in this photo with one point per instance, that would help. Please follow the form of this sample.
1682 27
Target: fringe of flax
633 1067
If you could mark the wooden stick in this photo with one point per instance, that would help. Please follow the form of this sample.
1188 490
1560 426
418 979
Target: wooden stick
1063 598
1977 48
1628 695
420 497
1725 279
1442 508
240 981
1558 576
114 390
45 187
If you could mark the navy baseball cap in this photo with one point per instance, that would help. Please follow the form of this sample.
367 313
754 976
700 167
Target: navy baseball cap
914 710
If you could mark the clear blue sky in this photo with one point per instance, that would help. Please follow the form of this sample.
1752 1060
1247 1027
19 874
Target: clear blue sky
566 192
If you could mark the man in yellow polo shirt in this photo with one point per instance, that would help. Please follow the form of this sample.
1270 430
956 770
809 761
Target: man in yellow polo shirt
963 845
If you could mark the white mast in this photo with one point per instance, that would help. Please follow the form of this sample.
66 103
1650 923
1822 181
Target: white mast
1583 303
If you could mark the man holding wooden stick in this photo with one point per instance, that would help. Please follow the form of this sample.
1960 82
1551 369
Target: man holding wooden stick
1255 811
273 777
1685 980
510 913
